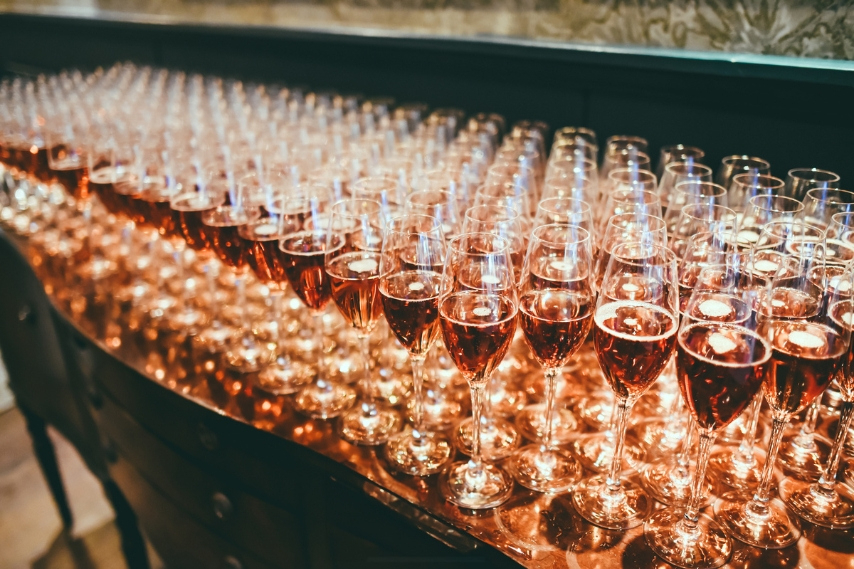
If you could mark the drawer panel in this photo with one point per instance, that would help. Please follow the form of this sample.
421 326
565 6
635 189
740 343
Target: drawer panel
180 541
221 505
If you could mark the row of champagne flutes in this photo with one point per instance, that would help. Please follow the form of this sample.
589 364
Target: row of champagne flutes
529 246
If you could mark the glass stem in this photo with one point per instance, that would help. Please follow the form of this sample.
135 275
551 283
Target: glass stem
240 288
692 513
317 325
622 407
745 447
369 404
210 276
551 389
277 314
478 389
759 505
418 401
183 298
684 458
828 479
810 421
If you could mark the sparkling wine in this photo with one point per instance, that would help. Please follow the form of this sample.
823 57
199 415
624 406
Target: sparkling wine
411 306
842 314
718 307
478 329
264 255
102 182
33 160
123 192
72 176
720 369
152 208
785 302
549 273
354 278
187 212
633 341
805 357
555 323
303 256
223 225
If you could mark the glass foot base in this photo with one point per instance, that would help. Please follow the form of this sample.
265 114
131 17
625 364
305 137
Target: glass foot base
390 387
544 470
831 509
726 468
476 488
662 480
622 508
284 377
421 456
596 409
498 438
659 437
531 424
804 459
440 413
537 522
596 452
247 357
369 424
772 528
705 546
325 400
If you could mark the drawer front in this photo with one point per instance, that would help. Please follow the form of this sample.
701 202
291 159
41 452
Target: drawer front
180 541
220 505
261 460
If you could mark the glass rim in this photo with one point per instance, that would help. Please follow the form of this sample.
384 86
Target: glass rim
735 158
584 235
754 177
841 191
719 189
673 165
505 244
824 175
775 199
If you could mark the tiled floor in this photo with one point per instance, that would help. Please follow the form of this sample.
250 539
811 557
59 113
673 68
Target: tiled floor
30 529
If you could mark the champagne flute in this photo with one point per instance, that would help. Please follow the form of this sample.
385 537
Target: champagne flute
675 153
354 278
747 185
410 282
804 452
807 351
302 253
222 226
635 327
477 315
800 180
556 312
740 164
286 215
721 364
762 210
827 502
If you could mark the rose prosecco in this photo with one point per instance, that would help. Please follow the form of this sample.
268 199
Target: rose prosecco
720 369
478 329
633 342
411 306
555 323
354 278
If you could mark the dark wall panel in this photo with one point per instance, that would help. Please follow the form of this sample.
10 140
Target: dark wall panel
791 116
